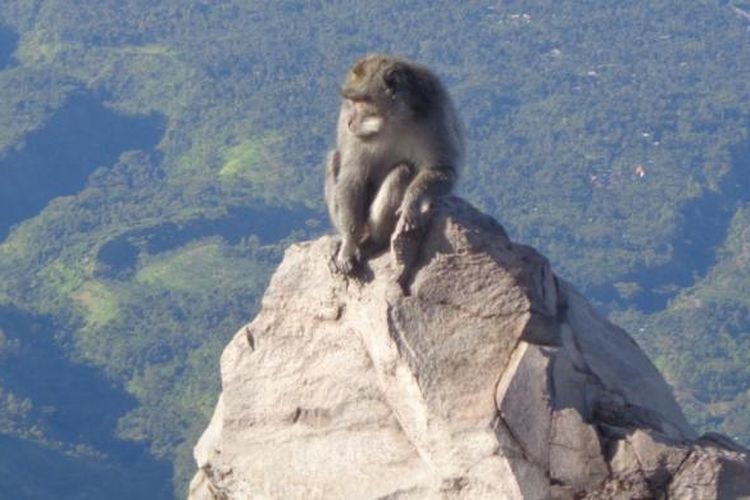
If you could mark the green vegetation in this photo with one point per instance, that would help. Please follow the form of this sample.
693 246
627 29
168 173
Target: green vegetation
701 341
158 156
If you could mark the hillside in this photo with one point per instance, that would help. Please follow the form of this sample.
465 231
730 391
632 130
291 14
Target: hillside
157 157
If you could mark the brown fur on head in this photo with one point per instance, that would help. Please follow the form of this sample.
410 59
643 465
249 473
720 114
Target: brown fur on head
384 81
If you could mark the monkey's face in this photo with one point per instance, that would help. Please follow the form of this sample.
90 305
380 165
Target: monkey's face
362 118
381 92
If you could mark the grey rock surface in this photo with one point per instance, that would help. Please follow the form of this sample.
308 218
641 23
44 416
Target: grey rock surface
485 376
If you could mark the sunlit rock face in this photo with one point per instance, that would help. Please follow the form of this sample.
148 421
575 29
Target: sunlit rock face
480 375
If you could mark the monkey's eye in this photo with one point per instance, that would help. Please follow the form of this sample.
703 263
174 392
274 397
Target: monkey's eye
354 94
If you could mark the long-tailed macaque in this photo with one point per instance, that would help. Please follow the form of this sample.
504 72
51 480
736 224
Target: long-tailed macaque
399 145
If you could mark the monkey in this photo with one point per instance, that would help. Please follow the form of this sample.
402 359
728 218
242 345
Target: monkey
399 147
382 209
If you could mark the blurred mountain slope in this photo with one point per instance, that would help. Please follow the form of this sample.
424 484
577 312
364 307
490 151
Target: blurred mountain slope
612 136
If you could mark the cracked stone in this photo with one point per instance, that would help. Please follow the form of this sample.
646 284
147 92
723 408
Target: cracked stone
351 388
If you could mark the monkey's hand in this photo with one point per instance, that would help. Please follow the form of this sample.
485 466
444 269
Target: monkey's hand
412 217
347 257
406 241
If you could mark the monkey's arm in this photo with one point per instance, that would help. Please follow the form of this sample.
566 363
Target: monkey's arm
428 184
333 165
350 194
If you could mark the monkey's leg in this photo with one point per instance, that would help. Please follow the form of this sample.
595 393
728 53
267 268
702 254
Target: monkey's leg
428 184
384 209
350 205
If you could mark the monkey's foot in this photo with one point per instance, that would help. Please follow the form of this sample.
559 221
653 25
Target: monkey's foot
344 259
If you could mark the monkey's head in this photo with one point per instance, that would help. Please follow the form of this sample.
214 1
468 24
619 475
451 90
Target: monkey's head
380 91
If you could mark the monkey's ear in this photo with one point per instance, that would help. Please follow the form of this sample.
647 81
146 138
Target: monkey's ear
416 84
395 77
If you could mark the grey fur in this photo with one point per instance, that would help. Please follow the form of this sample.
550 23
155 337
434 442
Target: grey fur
399 146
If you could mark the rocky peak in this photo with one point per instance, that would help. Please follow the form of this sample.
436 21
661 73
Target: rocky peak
483 376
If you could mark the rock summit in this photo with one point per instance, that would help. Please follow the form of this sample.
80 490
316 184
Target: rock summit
484 376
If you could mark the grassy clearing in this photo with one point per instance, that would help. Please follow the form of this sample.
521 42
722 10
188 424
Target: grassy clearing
201 266
100 304
252 161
